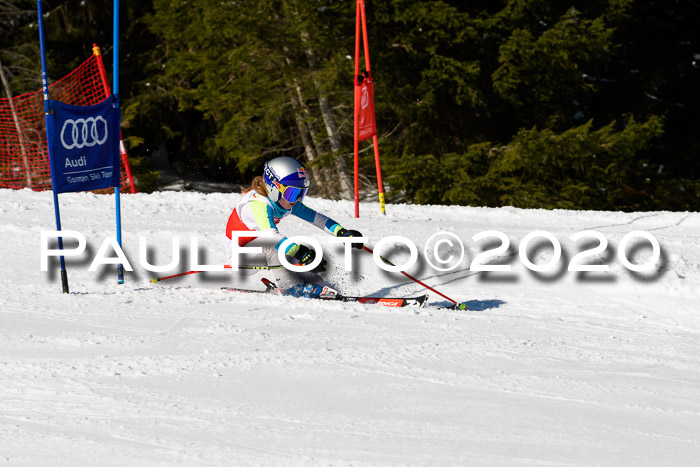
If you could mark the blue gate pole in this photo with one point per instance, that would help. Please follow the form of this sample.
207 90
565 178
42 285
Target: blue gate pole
48 116
115 89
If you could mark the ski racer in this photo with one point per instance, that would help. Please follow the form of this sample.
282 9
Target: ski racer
271 197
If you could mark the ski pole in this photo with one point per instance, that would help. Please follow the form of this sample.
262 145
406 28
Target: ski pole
155 280
410 276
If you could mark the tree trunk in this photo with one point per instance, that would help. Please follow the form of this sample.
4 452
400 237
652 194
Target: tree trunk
321 182
345 185
22 146
308 134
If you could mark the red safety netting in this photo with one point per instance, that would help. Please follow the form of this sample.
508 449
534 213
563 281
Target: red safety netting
24 157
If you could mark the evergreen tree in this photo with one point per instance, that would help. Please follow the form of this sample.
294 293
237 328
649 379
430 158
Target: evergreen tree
253 70
18 58
541 103
542 132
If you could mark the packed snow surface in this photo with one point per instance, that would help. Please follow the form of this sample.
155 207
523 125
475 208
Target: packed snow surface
545 368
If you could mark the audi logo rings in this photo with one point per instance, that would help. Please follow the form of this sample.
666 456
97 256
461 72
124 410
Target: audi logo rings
84 132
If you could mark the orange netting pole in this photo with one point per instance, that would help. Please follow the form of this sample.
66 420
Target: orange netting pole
122 149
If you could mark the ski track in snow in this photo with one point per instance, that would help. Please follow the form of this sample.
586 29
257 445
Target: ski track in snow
561 368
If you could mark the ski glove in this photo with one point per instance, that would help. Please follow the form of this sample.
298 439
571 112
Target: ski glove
350 233
306 256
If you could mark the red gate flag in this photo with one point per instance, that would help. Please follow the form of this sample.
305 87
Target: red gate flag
364 95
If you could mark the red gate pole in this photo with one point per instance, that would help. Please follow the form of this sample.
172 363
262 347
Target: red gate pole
375 140
356 107
361 28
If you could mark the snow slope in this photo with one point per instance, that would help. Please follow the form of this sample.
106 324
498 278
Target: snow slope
557 368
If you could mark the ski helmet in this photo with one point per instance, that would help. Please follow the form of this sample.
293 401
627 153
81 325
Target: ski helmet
286 177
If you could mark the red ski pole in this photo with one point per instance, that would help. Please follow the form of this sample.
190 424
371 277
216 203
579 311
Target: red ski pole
414 279
155 280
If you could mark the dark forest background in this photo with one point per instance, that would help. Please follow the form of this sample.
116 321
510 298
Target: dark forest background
534 104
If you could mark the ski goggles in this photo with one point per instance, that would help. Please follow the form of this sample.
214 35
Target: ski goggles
292 193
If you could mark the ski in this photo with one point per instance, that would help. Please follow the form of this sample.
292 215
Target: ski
394 302
419 301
